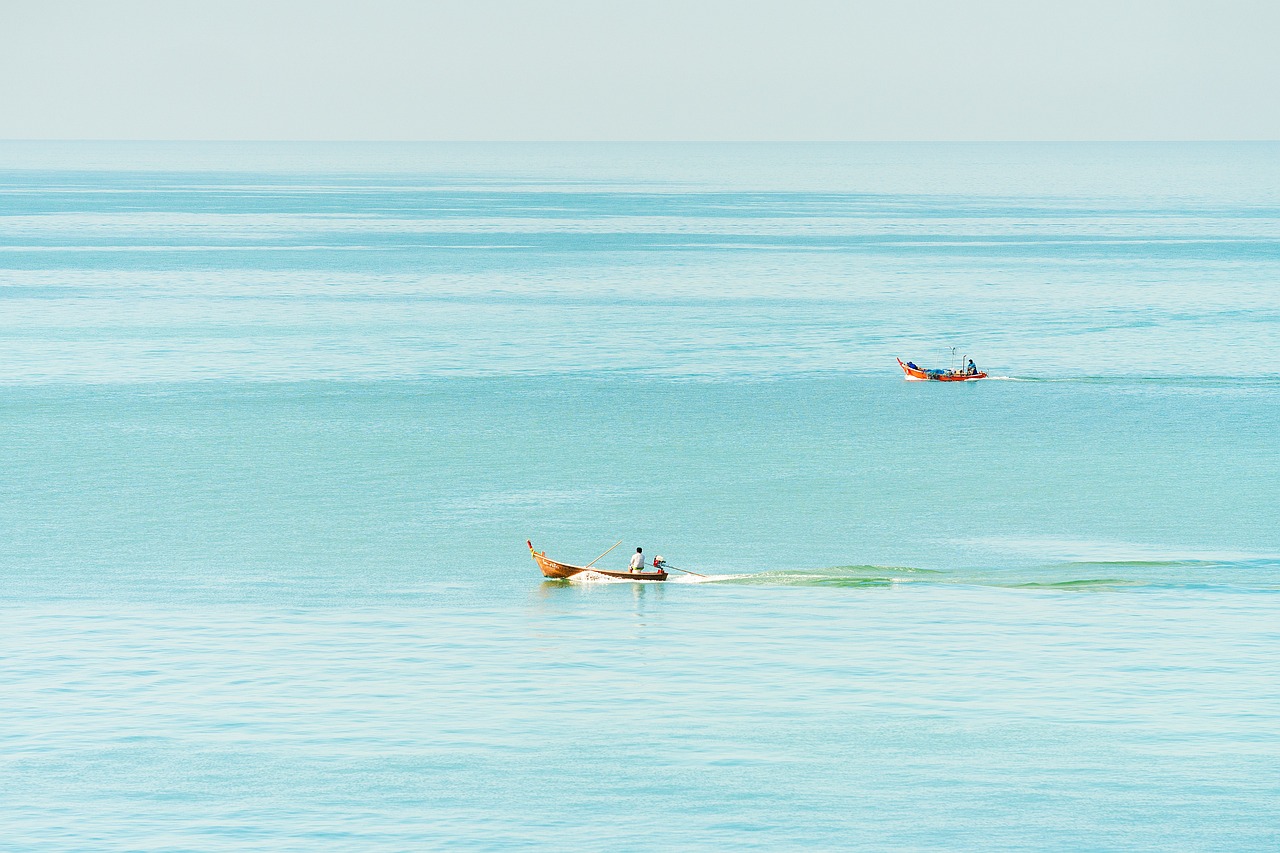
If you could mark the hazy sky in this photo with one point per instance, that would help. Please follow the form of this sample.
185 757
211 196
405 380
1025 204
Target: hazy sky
689 70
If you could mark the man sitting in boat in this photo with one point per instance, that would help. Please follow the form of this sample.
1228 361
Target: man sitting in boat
637 560
972 369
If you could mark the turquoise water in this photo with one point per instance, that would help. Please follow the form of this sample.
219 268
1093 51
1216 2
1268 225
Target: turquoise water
278 419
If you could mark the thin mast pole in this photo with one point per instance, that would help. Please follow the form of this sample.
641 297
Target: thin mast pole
593 562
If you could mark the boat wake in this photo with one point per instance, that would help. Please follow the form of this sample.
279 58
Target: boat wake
834 576
674 578
595 577
1081 584
1242 572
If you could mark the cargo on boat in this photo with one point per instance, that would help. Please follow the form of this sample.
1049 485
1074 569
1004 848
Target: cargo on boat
919 373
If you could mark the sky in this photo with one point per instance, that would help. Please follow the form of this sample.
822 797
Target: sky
694 70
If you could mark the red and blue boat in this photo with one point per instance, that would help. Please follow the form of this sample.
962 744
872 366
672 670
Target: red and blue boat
915 373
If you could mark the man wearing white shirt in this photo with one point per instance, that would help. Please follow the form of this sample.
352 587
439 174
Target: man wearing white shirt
637 560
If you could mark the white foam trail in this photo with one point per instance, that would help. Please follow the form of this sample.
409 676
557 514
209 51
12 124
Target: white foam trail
707 579
594 577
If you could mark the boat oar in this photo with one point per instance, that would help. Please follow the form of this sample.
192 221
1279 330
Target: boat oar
593 562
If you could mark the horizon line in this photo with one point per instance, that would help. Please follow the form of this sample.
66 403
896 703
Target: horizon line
335 141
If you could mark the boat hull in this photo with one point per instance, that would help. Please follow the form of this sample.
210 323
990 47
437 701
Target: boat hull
563 571
915 373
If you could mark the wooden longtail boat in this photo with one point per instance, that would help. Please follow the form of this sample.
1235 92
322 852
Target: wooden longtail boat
555 569
939 375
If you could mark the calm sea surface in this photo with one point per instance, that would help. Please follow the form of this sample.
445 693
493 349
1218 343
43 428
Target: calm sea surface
277 420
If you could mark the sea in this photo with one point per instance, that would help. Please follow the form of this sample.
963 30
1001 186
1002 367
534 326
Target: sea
278 420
